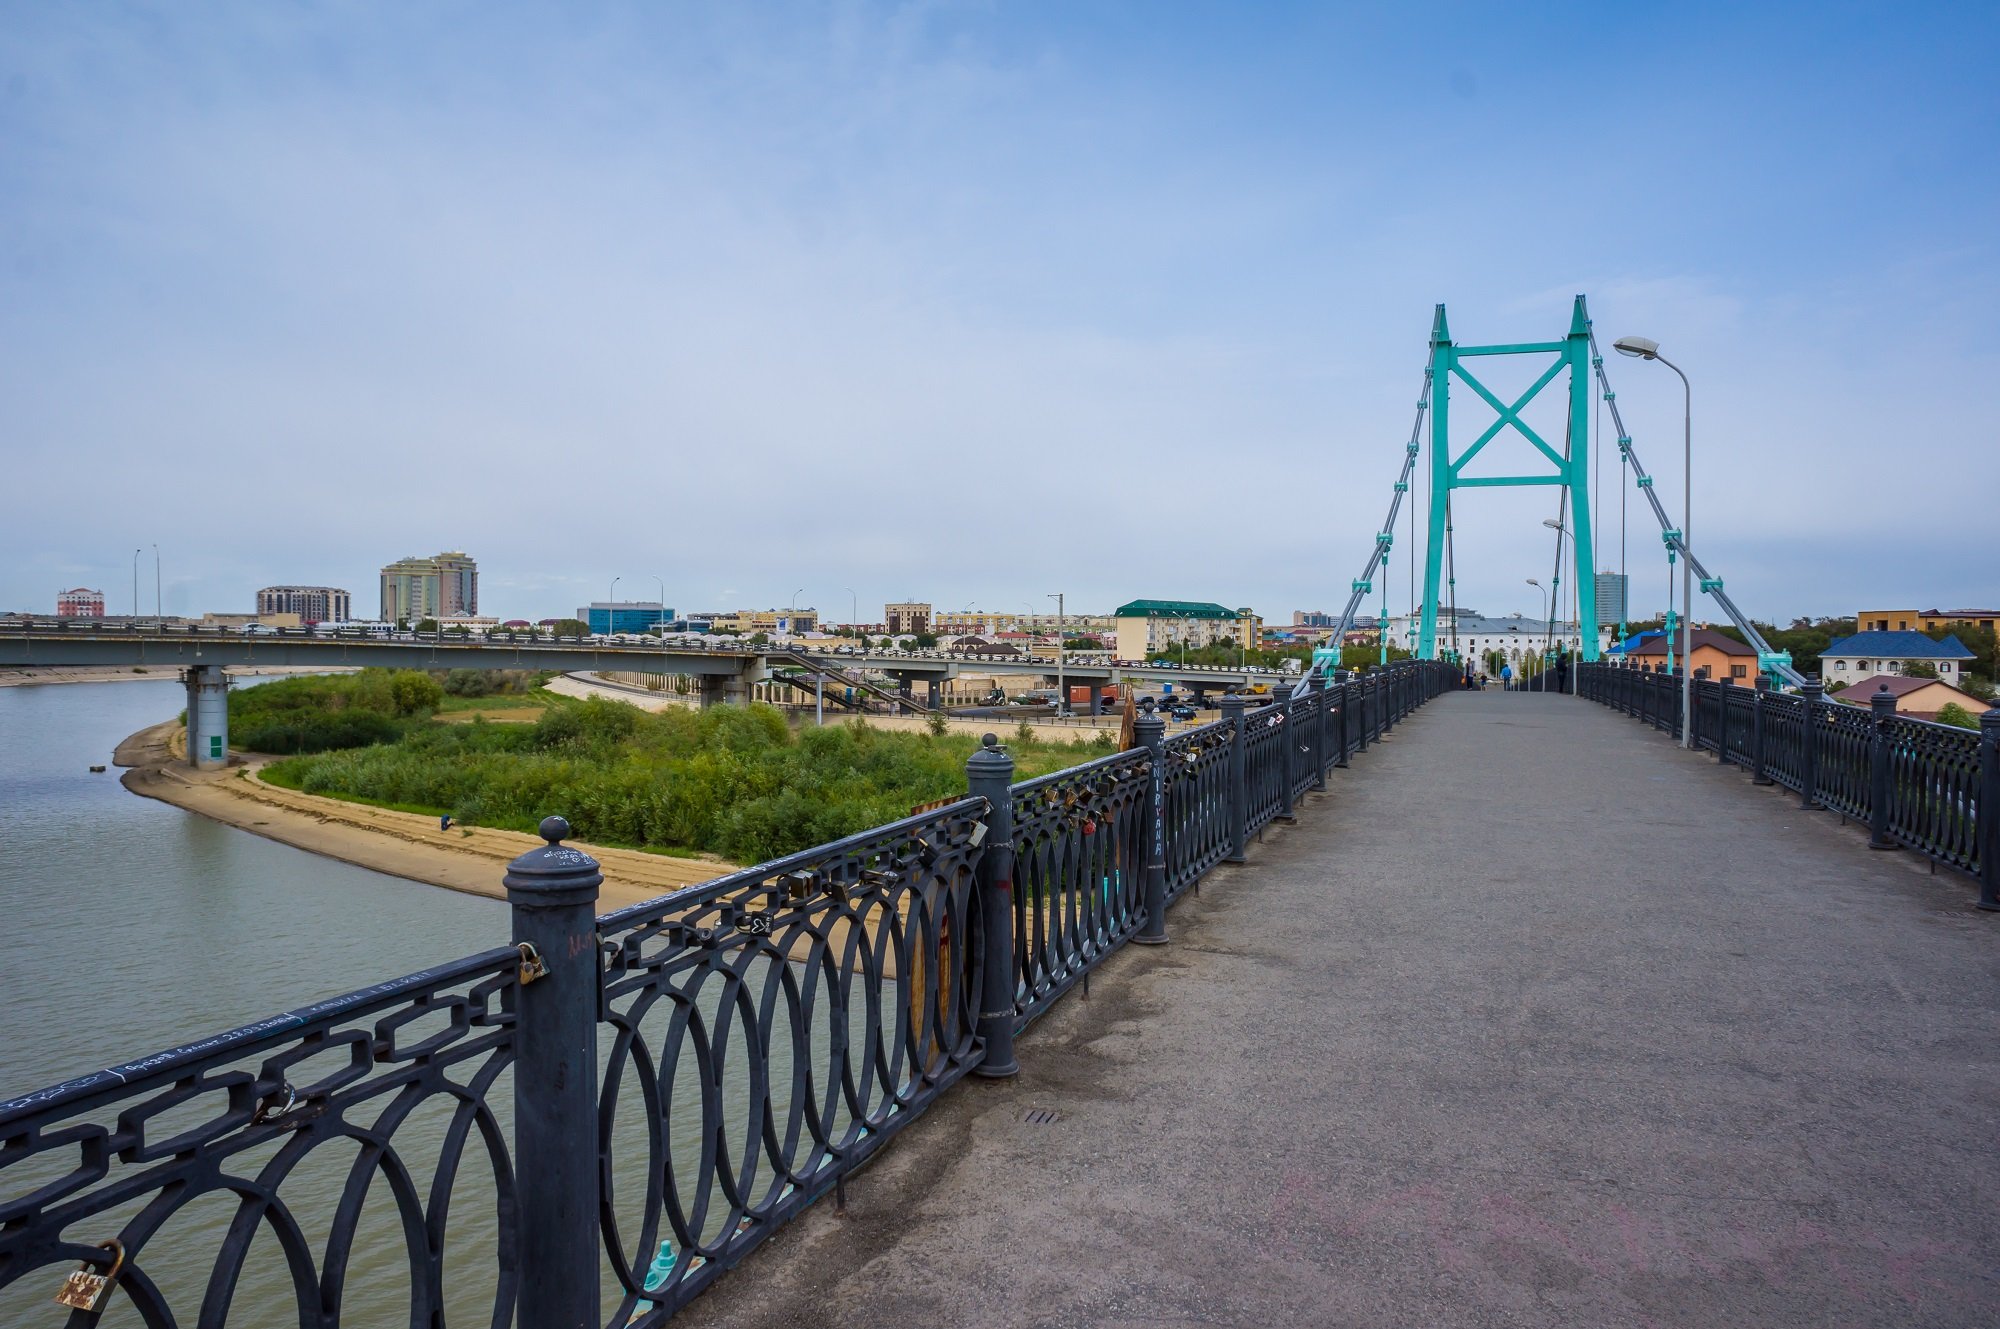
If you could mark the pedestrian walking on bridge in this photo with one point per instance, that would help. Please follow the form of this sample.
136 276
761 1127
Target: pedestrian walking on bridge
1506 678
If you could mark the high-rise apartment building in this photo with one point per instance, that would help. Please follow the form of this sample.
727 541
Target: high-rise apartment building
1611 588
80 603
443 586
911 618
313 604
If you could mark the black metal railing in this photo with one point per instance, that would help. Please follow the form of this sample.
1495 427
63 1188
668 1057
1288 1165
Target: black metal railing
592 1125
170 1169
1079 838
1928 787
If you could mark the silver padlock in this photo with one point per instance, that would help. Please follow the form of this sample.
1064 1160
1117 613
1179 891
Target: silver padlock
85 1289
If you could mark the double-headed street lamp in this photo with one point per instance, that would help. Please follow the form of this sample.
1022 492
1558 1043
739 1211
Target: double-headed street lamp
1646 349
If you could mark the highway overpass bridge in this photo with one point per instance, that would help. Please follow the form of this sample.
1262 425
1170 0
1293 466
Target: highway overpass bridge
723 674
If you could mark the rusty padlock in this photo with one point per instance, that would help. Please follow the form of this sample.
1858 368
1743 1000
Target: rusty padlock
85 1289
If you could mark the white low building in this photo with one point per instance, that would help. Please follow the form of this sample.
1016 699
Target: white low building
1515 636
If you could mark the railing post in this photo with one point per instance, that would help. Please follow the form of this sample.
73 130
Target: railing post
1882 708
1722 687
1365 686
1322 722
1809 745
989 774
553 895
1989 809
1287 741
1692 718
1344 730
1239 792
1759 772
1151 732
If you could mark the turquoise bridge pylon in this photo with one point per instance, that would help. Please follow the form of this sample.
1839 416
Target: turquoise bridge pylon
1577 353
1570 466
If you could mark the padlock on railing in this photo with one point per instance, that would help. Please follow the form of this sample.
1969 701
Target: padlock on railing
86 1289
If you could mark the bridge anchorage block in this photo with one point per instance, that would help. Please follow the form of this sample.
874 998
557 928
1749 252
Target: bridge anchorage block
1710 585
1669 536
1363 585
1645 482
1402 486
1611 396
1384 538
1624 445
1410 448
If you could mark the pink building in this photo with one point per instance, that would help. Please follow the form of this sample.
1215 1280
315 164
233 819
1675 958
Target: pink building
80 603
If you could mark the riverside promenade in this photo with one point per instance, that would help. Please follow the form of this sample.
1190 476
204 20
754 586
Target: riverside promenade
1535 1020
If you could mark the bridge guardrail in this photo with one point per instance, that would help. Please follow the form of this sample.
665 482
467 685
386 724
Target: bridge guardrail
1928 787
756 1038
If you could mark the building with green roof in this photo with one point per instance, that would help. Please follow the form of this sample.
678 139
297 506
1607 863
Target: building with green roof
1147 628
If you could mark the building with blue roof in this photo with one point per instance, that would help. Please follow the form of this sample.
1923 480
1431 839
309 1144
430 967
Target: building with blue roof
1850 659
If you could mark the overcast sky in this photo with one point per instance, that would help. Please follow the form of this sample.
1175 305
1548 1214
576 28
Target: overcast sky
975 303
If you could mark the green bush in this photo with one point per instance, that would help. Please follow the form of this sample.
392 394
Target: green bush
729 780
1952 713
319 712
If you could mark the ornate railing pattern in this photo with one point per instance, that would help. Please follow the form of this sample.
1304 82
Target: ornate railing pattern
1301 735
1844 736
1784 721
766 1032
1924 786
1078 848
1198 804
753 1040
175 1167
1264 754
1934 791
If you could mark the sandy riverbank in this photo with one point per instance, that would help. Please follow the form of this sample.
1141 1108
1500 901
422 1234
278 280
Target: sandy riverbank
402 844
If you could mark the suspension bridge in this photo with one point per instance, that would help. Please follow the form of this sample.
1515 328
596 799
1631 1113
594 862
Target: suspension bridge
1441 1006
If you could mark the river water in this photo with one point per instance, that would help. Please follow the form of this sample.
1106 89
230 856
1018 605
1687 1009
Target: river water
132 926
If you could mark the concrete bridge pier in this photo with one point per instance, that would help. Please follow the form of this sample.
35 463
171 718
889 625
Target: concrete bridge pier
724 690
207 717
934 693
904 683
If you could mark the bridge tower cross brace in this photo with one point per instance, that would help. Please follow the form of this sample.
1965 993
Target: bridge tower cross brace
1572 470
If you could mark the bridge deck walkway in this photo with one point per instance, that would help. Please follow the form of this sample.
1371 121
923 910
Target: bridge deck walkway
1531 1020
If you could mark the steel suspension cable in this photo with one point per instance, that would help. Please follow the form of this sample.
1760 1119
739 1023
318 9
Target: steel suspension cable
1676 540
1378 557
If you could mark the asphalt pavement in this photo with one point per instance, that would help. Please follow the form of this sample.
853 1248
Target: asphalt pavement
1531 1020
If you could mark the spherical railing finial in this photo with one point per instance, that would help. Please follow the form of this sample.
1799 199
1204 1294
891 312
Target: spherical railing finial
554 829
989 740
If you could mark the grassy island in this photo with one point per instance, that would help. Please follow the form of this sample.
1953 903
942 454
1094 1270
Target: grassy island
731 780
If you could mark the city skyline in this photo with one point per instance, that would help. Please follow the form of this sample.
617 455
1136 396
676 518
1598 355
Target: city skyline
1030 293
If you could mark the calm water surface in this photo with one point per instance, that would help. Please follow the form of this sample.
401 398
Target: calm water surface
133 925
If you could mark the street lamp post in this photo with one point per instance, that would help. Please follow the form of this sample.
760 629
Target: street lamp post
135 583
159 615
1646 349
1545 618
1062 679
610 611
853 606
1549 633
